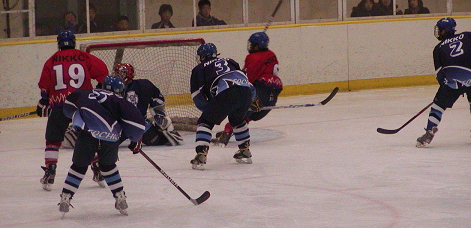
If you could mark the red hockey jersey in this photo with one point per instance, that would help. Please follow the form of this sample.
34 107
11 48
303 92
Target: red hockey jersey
262 67
69 70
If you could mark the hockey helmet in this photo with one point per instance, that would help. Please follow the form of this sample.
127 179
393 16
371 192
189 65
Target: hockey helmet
207 51
259 38
447 25
66 38
114 84
125 71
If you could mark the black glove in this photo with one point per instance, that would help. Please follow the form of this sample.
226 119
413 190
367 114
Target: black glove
42 109
135 147
256 105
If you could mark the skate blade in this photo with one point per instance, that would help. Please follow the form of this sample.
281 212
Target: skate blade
123 212
47 187
420 145
101 184
244 160
197 167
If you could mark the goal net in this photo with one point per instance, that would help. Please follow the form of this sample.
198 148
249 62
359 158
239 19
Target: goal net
166 63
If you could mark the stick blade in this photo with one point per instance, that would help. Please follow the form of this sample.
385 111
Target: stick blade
201 199
387 131
331 95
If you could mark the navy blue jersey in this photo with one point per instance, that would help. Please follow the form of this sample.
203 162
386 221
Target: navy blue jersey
452 59
104 115
143 94
210 78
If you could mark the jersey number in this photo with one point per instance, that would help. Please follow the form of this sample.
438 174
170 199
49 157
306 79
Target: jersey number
221 67
76 74
456 49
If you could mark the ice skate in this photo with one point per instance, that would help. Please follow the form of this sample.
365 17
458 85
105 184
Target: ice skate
222 138
48 178
121 205
425 139
199 161
243 155
65 203
97 177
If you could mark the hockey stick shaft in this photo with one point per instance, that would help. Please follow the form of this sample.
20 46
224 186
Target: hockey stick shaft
273 15
197 201
394 131
325 101
18 116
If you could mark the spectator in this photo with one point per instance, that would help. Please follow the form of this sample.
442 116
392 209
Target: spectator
41 29
386 7
70 23
416 7
366 8
165 12
204 17
122 24
94 25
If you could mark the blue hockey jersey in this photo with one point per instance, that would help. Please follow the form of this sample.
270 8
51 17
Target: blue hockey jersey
210 78
143 94
104 115
452 60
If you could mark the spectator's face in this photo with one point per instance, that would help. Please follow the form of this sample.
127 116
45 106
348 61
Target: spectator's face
205 10
70 17
413 3
92 14
165 16
386 2
123 25
368 5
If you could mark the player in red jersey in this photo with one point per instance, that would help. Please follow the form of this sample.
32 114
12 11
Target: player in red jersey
261 66
64 72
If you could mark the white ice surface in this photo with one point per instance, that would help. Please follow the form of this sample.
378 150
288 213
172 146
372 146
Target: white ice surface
312 167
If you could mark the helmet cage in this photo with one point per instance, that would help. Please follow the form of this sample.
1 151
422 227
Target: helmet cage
125 71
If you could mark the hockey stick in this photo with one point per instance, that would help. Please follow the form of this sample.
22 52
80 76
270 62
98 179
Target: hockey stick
197 201
331 95
386 131
18 116
273 15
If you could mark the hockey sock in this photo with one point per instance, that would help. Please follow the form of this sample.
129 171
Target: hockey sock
435 116
51 153
241 133
203 134
74 178
112 177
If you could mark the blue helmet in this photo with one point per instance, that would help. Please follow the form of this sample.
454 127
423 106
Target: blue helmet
114 84
447 25
207 51
260 39
66 38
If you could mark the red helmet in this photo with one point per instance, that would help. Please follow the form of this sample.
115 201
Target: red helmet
125 71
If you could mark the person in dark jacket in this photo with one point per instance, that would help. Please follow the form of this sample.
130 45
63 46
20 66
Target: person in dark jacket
366 8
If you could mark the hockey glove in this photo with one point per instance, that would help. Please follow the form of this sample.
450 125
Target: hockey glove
256 105
42 109
135 147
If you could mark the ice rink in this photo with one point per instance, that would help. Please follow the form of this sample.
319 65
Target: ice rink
312 167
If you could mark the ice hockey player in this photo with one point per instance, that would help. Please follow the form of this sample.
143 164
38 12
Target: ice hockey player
220 89
261 66
452 60
102 117
145 96
64 72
